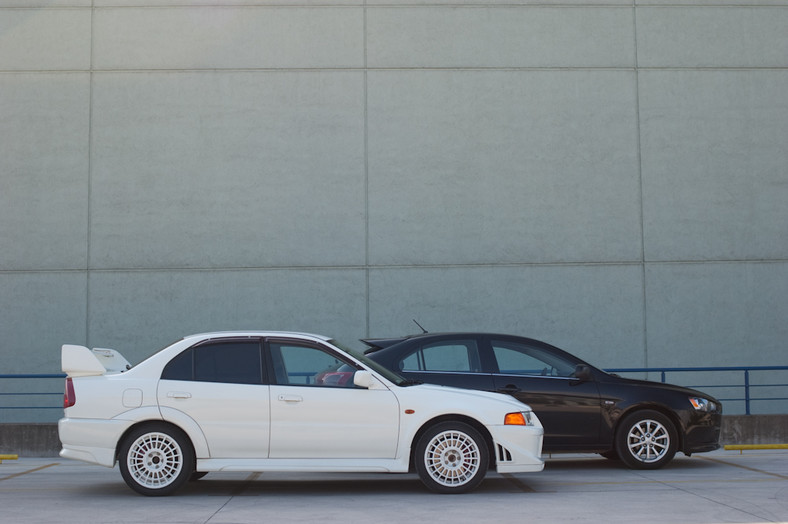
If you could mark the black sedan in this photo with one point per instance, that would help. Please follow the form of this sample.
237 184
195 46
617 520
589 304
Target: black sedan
582 408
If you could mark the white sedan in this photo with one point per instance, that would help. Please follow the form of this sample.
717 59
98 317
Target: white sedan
275 401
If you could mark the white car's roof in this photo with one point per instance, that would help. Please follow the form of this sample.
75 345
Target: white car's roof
155 362
219 334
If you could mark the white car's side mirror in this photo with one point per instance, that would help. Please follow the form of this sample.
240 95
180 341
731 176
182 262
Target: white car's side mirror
364 379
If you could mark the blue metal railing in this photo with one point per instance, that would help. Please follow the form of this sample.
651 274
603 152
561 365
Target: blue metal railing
746 384
16 394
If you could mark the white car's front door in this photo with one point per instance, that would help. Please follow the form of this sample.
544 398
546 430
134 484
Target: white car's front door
317 412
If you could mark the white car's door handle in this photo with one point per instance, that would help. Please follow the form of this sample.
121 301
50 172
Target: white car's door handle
290 398
179 394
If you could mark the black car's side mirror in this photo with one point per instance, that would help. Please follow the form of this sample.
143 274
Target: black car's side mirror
582 373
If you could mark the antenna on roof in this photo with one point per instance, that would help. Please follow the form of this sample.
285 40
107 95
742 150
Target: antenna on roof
422 329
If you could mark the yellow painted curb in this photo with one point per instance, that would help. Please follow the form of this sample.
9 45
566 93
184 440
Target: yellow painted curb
742 447
8 457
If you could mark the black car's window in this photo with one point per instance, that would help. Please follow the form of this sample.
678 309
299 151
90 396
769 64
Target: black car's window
448 355
236 362
296 365
521 359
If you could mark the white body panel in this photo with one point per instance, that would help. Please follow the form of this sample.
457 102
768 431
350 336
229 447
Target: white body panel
233 418
243 427
366 427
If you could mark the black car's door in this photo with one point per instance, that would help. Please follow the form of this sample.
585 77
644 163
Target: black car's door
448 362
543 378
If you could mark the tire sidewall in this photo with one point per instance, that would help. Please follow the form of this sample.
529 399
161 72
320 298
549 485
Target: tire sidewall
421 448
631 420
187 456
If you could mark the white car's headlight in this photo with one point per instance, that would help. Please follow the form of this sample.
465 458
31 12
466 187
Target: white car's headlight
703 404
519 418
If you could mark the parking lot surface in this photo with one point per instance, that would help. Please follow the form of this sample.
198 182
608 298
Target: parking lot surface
723 486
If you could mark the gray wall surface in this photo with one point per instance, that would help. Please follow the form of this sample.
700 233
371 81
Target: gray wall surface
608 176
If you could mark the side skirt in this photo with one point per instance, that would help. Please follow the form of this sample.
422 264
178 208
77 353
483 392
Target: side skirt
304 465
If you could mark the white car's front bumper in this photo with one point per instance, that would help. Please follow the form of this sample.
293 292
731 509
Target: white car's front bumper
518 449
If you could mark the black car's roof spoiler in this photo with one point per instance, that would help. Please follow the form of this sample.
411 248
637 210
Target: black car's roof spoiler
376 344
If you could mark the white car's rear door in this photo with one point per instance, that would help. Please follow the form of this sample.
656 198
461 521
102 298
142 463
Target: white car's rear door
219 386
233 417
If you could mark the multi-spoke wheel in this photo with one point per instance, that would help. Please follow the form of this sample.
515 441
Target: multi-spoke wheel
451 457
156 459
646 440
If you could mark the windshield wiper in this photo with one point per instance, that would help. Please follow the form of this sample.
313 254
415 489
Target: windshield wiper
410 382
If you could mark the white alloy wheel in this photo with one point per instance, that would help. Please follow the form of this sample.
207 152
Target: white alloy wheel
647 440
156 460
452 458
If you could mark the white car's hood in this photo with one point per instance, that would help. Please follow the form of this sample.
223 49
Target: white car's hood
472 393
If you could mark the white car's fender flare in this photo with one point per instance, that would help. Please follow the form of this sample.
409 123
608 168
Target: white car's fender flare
190 427
173 416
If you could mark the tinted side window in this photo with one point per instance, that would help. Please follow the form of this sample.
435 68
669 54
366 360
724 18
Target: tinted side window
309 366
236 362
520 359
449 355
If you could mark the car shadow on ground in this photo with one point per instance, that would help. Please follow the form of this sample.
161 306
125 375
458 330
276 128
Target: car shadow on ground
271 484
261 484
558 462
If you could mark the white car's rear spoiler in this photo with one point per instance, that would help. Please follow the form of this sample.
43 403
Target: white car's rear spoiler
79 361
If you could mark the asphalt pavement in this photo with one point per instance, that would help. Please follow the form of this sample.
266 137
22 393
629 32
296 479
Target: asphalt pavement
717 487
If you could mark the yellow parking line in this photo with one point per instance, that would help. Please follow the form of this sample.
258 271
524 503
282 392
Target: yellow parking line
742 447
29 471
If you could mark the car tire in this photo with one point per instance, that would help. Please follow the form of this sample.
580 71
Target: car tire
451 457
646 440
156 459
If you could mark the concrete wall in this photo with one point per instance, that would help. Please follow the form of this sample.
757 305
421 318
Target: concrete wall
608 176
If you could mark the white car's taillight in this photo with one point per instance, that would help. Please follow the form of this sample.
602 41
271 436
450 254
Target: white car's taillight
69 397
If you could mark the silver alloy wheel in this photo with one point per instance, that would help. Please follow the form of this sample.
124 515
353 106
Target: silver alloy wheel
648 441
452 458
155 460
